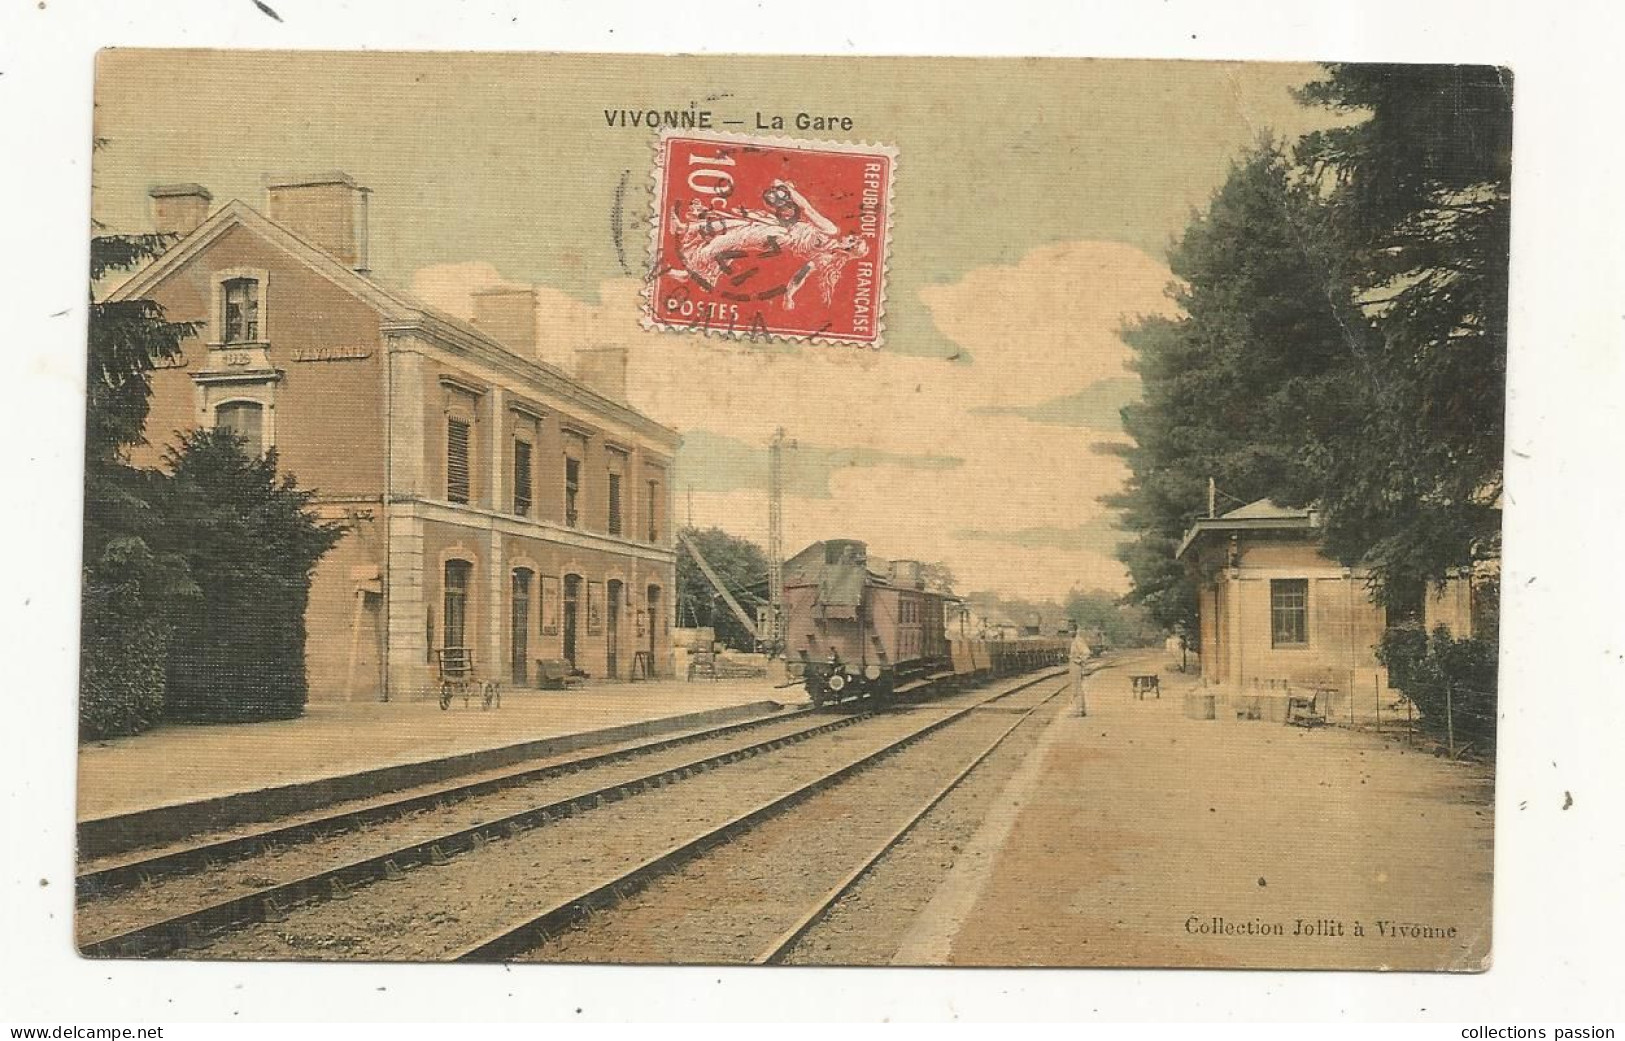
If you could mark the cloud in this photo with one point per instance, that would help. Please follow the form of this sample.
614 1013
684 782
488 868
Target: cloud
447 287
906 452
1049 323
714 462
1102 537
1097 405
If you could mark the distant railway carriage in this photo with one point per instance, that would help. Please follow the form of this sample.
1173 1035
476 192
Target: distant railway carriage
863 627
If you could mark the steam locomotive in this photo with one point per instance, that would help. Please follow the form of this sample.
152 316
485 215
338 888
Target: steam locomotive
862 627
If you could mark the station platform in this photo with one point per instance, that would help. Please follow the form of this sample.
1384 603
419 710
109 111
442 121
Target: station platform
1139 836
148 781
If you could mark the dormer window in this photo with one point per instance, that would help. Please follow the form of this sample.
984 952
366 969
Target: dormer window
240 322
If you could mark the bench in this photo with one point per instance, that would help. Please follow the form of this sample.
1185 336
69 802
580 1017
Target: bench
556 674
1305 710
1143 685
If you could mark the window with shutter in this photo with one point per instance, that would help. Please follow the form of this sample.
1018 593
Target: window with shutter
572 490
614 504
457 486
654 513
618 464
521 478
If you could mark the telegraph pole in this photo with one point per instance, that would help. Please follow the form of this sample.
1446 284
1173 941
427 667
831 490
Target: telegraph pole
774 636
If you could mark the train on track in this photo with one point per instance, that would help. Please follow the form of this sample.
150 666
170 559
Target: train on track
864 628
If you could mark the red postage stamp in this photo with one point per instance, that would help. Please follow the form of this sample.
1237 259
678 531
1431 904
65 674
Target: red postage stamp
770 237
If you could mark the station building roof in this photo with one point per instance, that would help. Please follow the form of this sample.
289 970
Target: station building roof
1261 515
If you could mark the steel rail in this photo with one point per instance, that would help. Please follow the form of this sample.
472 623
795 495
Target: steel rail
194 928
198 926
535 930
129 871
790 937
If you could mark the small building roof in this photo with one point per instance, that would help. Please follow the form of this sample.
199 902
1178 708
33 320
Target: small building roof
1262 515
1267 509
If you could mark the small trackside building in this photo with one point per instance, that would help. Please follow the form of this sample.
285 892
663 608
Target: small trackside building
1276 613
495 501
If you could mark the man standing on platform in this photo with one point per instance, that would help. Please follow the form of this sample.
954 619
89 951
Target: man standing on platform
1078 654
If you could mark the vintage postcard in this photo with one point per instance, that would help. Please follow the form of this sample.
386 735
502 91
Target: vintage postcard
793 510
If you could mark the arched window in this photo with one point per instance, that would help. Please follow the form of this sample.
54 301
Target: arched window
246 419
519 628
572 612
455 616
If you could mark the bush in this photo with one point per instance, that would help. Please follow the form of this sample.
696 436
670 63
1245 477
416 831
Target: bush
126 589
1452 682
122 647
238 650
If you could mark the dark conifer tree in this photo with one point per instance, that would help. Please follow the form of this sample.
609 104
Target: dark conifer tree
251 541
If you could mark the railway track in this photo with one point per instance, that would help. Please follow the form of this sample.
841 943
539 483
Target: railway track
102 876
751 896
785 942
119 901
519 937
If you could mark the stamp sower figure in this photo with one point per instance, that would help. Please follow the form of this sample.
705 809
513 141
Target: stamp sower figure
1078 654
710 240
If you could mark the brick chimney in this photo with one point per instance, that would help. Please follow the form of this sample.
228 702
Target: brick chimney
328 210
604 370
508 315
178 208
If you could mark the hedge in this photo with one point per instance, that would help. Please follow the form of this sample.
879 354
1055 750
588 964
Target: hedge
1452 682
122 650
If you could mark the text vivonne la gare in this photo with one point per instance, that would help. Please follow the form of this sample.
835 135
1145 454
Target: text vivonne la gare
695 118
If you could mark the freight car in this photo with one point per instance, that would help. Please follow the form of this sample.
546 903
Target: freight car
868 628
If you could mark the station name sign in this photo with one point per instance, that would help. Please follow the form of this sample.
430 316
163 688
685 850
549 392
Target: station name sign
331 353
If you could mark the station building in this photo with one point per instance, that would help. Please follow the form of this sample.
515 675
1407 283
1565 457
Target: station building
1276 613
496 502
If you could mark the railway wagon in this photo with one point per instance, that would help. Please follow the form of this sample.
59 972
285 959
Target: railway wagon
863 627
974 657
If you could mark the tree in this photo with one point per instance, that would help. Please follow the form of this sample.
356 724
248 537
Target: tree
1419 192
126 578
127 339
1343 342
251 541
1246 386
1124 625
740 563
937 576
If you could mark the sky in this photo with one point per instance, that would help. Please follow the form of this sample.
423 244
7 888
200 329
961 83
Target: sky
1034 204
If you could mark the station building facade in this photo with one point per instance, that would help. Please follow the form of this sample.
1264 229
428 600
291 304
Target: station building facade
496 502
1275 612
